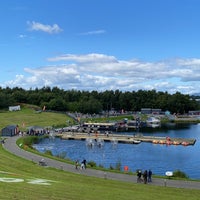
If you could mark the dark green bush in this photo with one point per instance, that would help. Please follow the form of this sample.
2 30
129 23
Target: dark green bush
111 167
30 140
179 174
92 164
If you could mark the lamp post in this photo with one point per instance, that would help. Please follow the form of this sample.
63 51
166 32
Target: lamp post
138 124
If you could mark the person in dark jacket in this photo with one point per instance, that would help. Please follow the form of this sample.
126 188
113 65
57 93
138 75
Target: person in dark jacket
139 176
149 176
145 177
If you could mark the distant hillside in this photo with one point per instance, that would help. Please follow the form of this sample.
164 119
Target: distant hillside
29 116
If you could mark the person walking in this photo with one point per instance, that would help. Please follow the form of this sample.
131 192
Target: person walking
139 175
76 164
84 162
149 176
145 177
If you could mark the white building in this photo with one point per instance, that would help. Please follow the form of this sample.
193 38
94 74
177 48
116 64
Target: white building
14 108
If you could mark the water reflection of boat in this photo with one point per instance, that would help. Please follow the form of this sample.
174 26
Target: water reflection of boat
51 135
100 142
114 142
89 142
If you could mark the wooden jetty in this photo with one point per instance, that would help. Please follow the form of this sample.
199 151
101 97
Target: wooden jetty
136 139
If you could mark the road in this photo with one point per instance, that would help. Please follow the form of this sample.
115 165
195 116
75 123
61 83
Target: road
11 146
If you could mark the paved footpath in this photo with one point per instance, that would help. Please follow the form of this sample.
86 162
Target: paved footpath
10 145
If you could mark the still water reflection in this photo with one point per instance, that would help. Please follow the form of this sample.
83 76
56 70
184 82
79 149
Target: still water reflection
158 158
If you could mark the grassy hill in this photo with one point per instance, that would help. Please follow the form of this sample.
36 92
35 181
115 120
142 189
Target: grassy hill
30 116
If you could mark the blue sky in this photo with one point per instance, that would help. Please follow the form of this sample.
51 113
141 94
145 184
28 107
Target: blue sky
101 44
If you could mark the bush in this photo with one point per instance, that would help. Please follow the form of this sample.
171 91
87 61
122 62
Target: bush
30 140
117 166
111 167
92 164
179 174
48 152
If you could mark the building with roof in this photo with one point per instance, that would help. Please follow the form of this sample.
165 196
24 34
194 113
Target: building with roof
10 130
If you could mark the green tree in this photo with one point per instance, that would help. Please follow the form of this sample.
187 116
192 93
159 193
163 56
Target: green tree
91 106
57 104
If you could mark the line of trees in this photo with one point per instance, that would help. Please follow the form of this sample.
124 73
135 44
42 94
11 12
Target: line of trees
95 102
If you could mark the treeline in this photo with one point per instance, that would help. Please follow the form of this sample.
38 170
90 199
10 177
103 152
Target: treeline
95 102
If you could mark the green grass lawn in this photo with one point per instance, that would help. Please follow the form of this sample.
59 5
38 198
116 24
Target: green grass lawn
29 117
56 184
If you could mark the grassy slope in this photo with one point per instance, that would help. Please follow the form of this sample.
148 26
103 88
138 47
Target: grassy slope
29 117
73 186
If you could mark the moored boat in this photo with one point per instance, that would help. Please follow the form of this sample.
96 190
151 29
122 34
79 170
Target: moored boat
153 122
136 141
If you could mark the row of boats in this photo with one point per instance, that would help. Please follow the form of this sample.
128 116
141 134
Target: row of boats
90 142
135 124
124 125
170 142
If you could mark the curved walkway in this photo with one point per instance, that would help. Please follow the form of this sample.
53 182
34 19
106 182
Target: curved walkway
11 146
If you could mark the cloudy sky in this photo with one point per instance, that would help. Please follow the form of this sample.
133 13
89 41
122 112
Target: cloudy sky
101 44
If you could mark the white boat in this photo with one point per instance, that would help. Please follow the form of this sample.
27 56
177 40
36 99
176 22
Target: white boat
153 122
136 141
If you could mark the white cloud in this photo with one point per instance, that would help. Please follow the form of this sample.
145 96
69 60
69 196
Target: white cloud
95 32
87 58
36 26
189 69
104 72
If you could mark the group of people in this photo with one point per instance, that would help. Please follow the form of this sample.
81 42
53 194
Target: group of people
141 177
144 177
82 166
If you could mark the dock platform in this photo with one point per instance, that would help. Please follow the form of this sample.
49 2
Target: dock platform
127 138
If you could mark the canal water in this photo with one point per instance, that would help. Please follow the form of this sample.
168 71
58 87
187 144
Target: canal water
159 158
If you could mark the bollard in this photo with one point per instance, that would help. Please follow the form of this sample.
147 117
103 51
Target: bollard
105 175
165 182
61 167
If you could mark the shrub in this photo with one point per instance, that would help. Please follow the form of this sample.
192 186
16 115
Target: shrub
92 164
179 174
111 167
48 152
30 140
117 166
